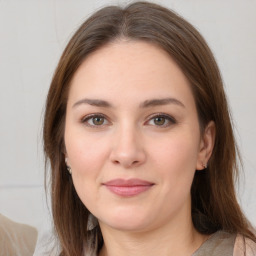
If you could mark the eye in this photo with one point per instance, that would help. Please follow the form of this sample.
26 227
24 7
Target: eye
161 120
95 120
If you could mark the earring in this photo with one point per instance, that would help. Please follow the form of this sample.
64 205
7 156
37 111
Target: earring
204 165
68 167
69 170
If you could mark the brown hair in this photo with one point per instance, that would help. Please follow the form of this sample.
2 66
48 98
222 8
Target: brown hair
214 203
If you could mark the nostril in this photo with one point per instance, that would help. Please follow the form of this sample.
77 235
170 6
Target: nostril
127 156
127 164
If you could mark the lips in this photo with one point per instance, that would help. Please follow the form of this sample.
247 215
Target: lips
128 188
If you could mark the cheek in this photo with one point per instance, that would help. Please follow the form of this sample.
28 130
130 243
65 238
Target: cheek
176 160
175 164
87 158
86 152
180 150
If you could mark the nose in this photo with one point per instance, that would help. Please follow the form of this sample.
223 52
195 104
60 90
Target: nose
128 149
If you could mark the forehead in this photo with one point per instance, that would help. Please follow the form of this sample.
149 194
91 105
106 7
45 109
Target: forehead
129 68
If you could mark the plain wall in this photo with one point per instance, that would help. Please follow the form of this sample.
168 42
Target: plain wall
32 36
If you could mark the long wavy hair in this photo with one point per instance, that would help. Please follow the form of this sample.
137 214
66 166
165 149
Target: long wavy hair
214 203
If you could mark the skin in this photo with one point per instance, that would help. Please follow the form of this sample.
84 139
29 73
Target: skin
128 141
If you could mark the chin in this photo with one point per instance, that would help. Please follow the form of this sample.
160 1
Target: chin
127 221
130 226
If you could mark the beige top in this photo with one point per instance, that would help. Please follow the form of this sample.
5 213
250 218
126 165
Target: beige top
16 239
244 246
226 244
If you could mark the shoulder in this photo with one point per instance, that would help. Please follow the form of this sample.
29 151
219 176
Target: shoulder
225 243
244 246
219 243
16 238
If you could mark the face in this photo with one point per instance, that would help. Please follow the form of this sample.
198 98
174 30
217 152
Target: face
132 136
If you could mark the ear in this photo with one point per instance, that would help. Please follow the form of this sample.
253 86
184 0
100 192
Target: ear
67 164
206 146
66 160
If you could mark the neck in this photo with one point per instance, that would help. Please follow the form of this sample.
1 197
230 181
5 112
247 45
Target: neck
179 240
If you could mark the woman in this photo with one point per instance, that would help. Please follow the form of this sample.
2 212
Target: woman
138 134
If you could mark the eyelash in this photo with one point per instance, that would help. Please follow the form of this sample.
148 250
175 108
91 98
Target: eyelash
85 120
170 120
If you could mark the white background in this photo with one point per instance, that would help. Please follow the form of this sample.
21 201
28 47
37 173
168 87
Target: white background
32 36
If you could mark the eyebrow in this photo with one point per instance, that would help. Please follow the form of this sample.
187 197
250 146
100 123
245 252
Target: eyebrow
93 102
145 104
160 102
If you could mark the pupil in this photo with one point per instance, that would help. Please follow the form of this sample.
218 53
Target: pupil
159 120
98 120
